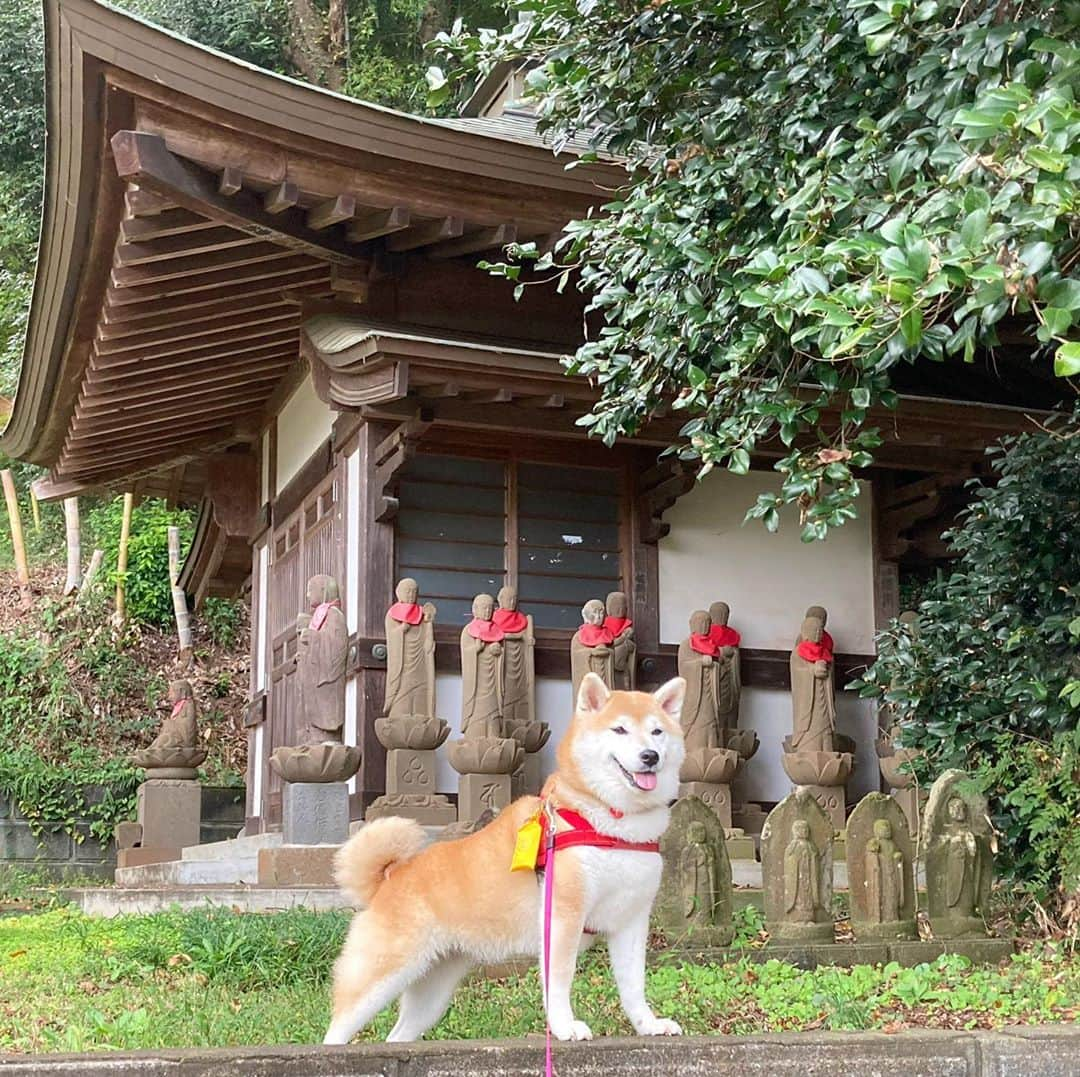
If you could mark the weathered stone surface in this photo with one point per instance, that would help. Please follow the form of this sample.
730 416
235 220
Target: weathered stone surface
694 901
796 861
140 855
315 813
169 811
127 835
740 846
430 810
881 871
478 793
714 796
410 771
978 951
297 865
18 842
1046 1052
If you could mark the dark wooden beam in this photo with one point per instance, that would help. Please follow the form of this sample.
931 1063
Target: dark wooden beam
378 222
332 211
170 222
141 203
482 239
146 159
282 197
423 235
186 244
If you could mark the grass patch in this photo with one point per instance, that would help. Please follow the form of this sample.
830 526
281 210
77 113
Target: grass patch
216 978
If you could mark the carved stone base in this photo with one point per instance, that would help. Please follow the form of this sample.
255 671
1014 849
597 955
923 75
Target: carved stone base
410 771
533 771
429 809
783 933
315 813
297 865
717 797
958 927
749 817
463 830
138 856
170 812
310 764
894 931
479 792
831 799
174 774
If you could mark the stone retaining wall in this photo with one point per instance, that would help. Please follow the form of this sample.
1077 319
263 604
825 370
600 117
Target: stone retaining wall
1050 1051
61 857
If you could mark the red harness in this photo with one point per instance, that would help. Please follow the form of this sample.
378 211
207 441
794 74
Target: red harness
582 832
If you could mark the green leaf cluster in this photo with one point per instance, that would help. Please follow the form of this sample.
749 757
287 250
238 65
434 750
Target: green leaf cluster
816 194
988 679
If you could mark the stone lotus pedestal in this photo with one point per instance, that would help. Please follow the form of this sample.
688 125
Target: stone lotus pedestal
410 745
707 773
177 764
532 736
900 780
314 794
485 765
823 775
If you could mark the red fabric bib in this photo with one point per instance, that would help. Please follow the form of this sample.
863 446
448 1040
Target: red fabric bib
582 832
814 652
826 641
318 617
410 613
703 644
510 620
617 625
724 636
177 707
488 631
594 635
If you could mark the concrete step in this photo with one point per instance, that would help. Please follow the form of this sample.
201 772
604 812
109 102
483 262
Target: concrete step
241 869
244 846
116 901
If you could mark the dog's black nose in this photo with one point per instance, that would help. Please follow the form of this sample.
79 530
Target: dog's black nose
650 758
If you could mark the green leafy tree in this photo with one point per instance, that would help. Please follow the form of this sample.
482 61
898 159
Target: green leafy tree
816 192
990 680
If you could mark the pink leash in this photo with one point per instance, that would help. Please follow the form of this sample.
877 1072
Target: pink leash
549 884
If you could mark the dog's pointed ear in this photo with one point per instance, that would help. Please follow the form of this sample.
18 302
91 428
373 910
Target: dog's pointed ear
592 695
670 696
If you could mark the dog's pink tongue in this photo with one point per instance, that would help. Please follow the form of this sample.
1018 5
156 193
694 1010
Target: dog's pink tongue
645 780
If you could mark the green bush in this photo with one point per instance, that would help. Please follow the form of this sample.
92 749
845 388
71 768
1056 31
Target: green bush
987 681
148 593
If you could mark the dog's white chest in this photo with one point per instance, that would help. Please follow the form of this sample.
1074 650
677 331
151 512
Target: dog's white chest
620 886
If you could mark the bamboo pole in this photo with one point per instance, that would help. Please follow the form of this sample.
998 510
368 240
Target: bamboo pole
91 571
18 543
35 508
179 599
121 557
74 545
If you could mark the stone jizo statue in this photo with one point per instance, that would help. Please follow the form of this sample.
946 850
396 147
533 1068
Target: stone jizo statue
482 672
592 647
617 621
812 697
519 645
699 667
880 858
410 660
802 872
885 874
963 861
321 659
701 891
728 674
176 751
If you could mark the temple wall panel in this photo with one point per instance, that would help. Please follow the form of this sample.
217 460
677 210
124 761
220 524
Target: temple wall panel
303 424
769 580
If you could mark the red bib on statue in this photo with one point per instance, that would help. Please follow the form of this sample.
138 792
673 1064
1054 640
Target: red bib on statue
595 636
510 620
487 631
409 613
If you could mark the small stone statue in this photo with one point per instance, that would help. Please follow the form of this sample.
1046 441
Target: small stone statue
959 860
621 627
519 644
698 667
812 698
796 866
699 876
592 648
802 892
818 613
321 658
175 752
482 672
881 874
726 641
885 874
410 662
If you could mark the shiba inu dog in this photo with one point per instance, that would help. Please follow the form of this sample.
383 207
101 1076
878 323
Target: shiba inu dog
429 915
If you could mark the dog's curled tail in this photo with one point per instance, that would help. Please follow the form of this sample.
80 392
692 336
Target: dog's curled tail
362 863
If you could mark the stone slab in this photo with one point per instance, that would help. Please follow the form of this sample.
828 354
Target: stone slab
314 813
840 954
978 951
138 856
170 812
244 845
114 901
478 793
741 847
177 872
433 810
297 865
1049 1052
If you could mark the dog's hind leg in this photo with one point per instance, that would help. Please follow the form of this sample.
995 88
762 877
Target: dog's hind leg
426 1000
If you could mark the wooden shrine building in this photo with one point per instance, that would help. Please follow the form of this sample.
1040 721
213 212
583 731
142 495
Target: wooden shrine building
262 298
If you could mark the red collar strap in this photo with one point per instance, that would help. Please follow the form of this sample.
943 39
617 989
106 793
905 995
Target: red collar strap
582 832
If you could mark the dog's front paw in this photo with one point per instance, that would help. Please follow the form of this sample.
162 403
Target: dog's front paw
659 1026
571 1030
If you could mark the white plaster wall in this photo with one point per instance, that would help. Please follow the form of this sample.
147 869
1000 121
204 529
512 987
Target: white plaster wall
769 580
303 424
553 705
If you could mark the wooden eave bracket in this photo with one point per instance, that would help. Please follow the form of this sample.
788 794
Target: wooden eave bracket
658 489
145 159
389 457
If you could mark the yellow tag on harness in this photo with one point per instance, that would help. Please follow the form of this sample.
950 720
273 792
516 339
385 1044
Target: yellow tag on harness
527 848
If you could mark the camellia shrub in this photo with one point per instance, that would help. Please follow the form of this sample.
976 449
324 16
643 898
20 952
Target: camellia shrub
989 680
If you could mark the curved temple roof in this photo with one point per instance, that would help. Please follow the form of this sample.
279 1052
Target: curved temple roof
194 202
